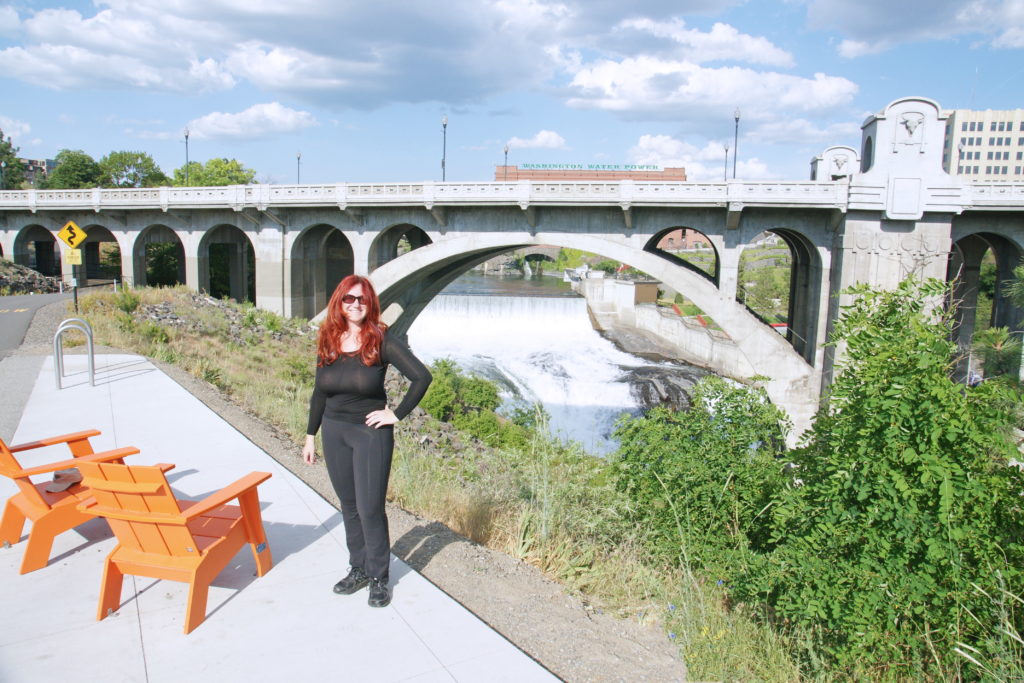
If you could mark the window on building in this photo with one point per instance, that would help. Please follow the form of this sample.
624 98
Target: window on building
1002 126
1022 125
988 170
1020 141
992 126
1016 170
991 141
1008 141
990 156
1020 156
975 171
1004 169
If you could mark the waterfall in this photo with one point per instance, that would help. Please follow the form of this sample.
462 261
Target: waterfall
542 349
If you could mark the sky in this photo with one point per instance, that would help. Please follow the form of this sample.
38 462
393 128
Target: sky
359 89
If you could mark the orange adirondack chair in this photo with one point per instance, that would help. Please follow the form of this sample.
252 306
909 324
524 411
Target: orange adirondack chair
50 513
162 537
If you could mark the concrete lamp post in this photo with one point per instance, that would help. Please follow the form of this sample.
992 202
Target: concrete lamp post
444 145
506 163
298 168
3 170
186 158
725 169
735 141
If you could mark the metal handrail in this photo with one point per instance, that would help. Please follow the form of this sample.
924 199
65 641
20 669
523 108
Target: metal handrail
58 348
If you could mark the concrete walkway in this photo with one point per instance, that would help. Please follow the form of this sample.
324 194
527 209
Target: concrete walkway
286 625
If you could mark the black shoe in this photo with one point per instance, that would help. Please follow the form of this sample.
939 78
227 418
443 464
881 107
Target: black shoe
355 580
380 594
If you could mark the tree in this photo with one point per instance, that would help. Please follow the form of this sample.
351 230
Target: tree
13 173
215 172
903 522
75 170
131 169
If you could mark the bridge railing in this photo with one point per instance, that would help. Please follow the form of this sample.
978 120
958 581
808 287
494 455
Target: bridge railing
524 193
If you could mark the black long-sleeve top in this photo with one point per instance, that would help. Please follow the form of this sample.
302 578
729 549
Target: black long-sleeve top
346 390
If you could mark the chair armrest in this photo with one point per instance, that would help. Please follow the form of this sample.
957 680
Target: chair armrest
229 492
52 440
105 456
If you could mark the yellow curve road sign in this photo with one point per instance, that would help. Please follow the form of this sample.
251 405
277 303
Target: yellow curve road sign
72 235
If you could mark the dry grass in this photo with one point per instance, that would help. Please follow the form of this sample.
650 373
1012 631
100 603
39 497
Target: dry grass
554 507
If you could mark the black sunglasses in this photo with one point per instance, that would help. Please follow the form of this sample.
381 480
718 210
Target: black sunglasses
352 298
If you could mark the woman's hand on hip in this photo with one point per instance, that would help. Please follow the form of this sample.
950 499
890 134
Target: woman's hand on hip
309 450
381 418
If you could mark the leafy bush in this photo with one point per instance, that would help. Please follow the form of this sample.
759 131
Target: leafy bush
607 265
905 511
127 301
469 404
701 480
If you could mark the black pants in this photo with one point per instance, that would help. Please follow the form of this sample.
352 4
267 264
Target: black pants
359 464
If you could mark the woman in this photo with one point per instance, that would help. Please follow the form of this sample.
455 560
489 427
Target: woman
354 350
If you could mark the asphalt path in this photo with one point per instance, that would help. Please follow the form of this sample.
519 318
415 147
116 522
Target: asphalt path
15 315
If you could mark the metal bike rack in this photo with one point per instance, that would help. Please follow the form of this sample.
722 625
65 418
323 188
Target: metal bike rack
58 348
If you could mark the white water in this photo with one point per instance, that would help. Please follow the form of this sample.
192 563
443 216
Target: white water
539 349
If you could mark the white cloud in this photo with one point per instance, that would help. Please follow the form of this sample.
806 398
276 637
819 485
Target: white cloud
259 120
802 131
66 66
276 68
708 163
10 24
649 87
722 43
545 139
14 128
873 26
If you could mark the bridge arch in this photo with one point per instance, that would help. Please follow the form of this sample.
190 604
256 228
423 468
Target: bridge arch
803 291
226 263
94 253
409 282
36 247
659 244
321 256
964 270
158 257
394 241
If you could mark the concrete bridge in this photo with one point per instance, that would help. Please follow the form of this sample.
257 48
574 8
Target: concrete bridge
873 215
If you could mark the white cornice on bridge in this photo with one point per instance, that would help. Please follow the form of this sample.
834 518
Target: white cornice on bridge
953 196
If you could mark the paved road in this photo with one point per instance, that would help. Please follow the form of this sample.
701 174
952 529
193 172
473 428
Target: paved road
15 315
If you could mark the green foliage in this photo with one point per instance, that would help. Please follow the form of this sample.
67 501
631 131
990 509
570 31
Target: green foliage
903 501
130 169
701 481
215 172
13 173
74 170
153 332
162 261
570 258
469 404
999 351
987 278
607 265
127 301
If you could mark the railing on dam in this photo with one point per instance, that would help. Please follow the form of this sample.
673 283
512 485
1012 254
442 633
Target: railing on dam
623 193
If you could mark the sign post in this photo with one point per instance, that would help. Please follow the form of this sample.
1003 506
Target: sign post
72 235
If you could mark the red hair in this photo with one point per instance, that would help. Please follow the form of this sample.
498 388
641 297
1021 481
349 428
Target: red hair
328 345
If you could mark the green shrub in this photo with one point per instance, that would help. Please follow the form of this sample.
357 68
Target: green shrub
701 481
904 510
127 301
153 332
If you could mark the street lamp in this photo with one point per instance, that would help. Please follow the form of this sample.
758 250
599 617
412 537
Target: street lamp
3 168
735 141
444 145
298 168
725 168
186 157
506 162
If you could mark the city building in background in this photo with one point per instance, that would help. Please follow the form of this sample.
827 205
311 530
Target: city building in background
588 172
37 169
984 145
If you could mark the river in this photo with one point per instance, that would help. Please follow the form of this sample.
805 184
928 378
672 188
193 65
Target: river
533 337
